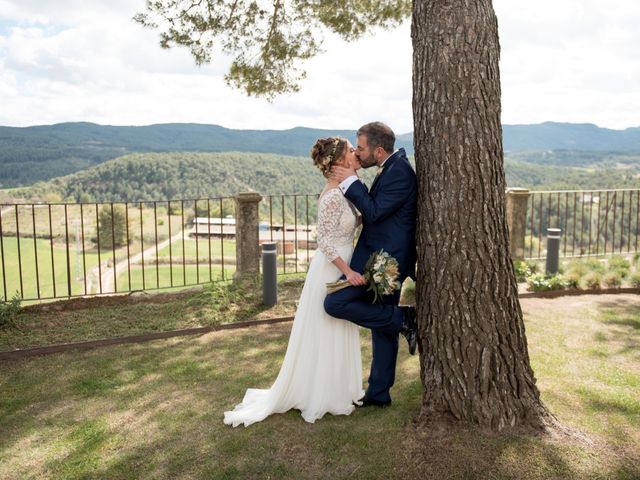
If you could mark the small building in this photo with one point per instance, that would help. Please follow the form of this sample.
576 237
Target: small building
214 226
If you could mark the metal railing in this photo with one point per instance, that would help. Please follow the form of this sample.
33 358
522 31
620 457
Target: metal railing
593 222
294 232
64 250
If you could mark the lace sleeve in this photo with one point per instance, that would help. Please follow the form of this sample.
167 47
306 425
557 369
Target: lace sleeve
330 210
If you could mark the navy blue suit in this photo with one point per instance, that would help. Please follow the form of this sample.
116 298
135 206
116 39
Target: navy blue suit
388 222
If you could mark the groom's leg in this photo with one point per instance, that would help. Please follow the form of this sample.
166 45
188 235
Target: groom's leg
356 305
383 365
384 320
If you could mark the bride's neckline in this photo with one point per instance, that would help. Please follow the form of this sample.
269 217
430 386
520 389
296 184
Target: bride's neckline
324 192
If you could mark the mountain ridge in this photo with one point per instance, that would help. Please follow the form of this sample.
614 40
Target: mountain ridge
42 152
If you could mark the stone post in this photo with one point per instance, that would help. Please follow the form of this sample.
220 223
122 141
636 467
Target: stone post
517 199
247 238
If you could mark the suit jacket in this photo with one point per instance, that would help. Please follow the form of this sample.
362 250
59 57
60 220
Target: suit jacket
388 215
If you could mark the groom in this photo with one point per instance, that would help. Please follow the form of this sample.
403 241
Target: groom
388 222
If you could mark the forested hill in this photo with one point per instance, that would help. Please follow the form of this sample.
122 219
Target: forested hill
42 152
187 175
37 153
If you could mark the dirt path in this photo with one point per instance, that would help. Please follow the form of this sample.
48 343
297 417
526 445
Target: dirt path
108 271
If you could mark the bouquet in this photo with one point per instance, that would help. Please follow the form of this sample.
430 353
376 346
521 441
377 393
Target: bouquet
381 272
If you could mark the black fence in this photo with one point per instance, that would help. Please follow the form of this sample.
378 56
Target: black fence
593 222
50 251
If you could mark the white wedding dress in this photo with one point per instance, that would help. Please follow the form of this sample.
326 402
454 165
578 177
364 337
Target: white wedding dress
322 369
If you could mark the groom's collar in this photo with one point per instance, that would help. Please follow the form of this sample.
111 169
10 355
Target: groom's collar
385 160
393 154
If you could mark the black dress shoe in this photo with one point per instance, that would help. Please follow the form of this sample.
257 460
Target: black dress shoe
369 402
410 328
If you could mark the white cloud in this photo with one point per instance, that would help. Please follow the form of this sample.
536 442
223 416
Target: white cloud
574 61
73 60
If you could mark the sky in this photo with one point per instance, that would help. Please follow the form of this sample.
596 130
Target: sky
85 60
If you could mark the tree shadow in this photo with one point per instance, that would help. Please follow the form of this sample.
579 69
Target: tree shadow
462 453
169 397
621 319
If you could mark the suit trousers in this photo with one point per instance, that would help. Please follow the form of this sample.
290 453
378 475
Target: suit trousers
384 318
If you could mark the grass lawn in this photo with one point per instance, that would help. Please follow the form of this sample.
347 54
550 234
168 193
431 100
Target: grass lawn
155 410
104 317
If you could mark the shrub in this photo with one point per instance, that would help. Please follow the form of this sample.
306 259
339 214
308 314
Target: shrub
572 278
619 264
592 280
9 310
635 279
612 279
636 259
622 272
534 267
540 282
577 266
594 265
522 270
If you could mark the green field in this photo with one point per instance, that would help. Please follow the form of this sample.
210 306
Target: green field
38 279
161 277
43 282
201 247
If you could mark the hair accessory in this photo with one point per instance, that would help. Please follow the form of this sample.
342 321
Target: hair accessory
326 161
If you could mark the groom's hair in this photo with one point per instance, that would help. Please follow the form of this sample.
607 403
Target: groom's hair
378 135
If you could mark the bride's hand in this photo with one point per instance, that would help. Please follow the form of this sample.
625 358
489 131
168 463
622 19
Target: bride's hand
355 278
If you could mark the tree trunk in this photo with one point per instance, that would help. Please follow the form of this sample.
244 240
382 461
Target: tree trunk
474 360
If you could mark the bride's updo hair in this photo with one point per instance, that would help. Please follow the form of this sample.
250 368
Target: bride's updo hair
326 151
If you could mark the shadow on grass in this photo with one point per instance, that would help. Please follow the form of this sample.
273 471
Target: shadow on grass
155 411
621 320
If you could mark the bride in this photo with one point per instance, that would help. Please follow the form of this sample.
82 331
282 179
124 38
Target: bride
322 370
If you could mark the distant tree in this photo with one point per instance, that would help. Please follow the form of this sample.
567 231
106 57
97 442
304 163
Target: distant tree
113 226
86 197
52 197
474 360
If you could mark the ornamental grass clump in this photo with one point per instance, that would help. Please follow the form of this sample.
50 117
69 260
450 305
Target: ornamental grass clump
612 279
634 279
595 265
592 280
572 278
578 267
619 264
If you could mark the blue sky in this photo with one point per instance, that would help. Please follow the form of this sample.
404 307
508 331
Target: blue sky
85 60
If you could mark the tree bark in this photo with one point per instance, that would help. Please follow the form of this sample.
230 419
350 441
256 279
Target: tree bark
474 360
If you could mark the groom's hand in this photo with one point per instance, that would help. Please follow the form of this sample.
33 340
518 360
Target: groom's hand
340 174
